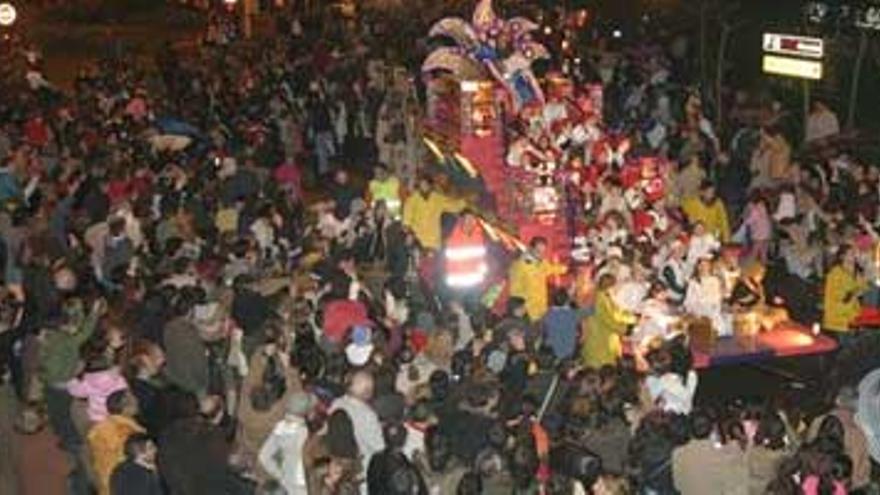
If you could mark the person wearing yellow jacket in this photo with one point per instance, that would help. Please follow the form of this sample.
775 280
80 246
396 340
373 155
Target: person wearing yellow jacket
529 276
708 210
106 439
602 331
385 187
841 294
422 211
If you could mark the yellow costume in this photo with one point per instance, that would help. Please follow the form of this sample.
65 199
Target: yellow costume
841 299
528 280
107 445
422 215
713 216
602 332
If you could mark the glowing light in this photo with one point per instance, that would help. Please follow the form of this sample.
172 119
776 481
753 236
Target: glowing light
816 328
800 339
548 30
8 14
470 86
794 67
582 17
617 33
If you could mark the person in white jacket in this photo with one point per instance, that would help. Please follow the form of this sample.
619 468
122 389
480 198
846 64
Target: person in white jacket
281 455
705 298
669 390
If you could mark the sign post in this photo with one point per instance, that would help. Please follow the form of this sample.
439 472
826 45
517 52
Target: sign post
794 56
798 46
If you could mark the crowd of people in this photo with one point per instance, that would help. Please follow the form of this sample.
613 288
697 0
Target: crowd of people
231 274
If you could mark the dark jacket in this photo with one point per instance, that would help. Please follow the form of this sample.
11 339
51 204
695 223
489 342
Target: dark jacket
468 433
186 357
150 410
131 478
611 443
193 457
382 469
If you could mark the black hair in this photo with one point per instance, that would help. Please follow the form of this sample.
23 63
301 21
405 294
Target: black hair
462 364
339 438
576 462
438 383
395 435
136 444
771 432
437 449
515 303
470 484
700 425
560 297
734 431
117 401
831 427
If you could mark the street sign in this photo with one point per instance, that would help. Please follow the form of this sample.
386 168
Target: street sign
794 67
800 46
7 14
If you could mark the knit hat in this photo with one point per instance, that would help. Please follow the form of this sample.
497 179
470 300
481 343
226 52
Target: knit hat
300 404
360 349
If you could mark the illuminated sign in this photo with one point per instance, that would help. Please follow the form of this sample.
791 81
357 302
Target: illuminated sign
801 46
794 67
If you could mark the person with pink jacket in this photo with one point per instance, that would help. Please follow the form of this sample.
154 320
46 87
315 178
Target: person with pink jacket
758 224
96 384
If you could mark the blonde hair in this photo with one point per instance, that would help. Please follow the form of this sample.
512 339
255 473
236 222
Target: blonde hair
440 348
611 485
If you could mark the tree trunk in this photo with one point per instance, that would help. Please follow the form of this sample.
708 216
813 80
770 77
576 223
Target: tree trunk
719 77
702 42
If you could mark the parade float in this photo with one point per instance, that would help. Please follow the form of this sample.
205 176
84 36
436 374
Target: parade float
539 146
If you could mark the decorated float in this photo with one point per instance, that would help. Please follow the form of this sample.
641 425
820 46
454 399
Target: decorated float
539 146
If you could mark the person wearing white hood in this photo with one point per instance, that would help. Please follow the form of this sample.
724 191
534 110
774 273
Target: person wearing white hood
703 244
281 455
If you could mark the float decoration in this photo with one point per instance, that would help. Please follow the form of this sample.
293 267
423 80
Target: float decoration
497 48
